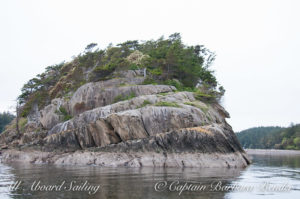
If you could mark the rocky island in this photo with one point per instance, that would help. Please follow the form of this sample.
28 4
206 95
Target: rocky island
154 103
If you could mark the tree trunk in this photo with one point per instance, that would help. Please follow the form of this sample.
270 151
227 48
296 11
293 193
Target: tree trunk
17 119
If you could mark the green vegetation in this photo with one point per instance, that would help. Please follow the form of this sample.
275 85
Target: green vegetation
65 114
166 61
164 94
124 97
171 104
149 81
22 124
271 137
203 108
145 103
5 119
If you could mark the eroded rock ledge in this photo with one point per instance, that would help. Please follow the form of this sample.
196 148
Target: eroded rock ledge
208 146
152 125
121 159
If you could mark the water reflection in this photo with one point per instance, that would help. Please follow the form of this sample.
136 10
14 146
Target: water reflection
114 182
270 171
140 182
292 161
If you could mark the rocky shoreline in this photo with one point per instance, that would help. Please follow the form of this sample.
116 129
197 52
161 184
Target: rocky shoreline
271 152
137 159
189 147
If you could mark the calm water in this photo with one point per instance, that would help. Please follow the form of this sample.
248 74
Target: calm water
257 181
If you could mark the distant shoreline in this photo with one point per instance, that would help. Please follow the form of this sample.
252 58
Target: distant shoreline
272 152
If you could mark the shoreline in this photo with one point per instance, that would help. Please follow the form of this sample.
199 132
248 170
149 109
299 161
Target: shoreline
271 152
132 159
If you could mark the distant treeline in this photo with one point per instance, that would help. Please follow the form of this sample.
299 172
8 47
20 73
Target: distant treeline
5 118
272 137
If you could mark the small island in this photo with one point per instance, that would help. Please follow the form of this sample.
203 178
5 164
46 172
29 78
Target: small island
153 103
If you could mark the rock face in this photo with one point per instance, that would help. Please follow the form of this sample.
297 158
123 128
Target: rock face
88 96
205 139
144 124
93 95
50 116
126 121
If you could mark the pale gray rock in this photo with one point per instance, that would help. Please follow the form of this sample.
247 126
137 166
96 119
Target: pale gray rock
206 146
50 115
92 95
128 124
102 112
34 115
119 122
125 120
103 133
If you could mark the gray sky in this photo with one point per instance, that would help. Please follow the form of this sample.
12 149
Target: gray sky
256 41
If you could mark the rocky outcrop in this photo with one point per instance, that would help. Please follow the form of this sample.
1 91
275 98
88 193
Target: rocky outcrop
126 121
119 122
93 95
50 115
121 159
206 146
204 139
88 96
102 112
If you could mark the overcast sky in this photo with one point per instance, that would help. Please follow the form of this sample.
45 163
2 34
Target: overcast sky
257 43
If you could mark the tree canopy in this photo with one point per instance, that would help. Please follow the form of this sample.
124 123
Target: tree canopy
5 118
167 61
271 137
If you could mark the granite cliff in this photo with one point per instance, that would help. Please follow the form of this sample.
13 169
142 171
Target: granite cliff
122 120
159 121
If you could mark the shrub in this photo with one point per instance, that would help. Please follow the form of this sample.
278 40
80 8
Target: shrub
136 57
65 114
163 94
149 81
121 97
156 71
133 67
22 124
204 96
175 83
203 108
145 103
171 104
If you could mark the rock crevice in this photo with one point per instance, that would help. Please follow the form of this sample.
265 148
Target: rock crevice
120 116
